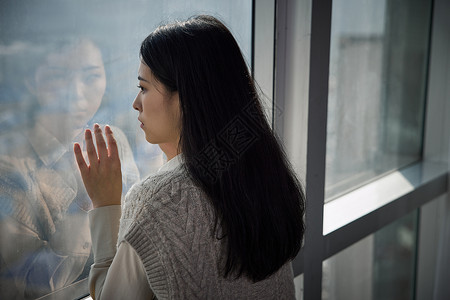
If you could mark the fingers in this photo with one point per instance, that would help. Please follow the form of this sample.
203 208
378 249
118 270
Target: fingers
92 153
101 144
104 151
112 144
80 159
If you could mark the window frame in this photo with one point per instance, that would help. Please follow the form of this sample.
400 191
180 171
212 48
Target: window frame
325 235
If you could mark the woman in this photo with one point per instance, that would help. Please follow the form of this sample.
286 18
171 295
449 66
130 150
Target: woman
222 219
44 226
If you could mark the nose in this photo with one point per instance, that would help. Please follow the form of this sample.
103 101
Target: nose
75 90
137 103
76 95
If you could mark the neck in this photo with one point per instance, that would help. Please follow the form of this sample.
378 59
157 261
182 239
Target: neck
63 132
169 149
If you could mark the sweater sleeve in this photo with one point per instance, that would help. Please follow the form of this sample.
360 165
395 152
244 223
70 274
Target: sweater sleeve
114 275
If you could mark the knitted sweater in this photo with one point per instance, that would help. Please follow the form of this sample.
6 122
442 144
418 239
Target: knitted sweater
169 221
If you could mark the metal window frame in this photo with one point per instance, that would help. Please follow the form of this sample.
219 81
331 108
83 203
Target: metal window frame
422 182
263 52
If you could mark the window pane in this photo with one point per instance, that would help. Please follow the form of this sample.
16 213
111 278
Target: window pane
298 281
381 266
65 65
378 63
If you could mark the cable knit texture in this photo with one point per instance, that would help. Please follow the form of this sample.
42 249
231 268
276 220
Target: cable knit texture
169 221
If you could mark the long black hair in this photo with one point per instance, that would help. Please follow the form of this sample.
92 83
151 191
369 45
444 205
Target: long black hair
228 147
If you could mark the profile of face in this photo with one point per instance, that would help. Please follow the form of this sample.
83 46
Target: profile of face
69 86
159 110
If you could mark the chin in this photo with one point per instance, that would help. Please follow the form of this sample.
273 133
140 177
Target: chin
150 140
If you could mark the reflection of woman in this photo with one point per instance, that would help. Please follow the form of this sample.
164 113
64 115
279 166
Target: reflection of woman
223 217
43 222
69 87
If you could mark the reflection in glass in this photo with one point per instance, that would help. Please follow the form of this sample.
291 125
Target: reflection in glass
44 229
65 65
381 266
378 63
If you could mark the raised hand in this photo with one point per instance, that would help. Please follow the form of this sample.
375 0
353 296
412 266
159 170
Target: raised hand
102 177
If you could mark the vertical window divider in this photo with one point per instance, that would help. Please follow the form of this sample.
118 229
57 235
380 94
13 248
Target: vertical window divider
279 64
316 150
263 49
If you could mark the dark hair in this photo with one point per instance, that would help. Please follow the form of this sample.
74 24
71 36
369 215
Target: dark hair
228 147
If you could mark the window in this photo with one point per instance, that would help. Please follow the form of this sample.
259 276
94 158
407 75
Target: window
361 103
378 67
380 266
65 65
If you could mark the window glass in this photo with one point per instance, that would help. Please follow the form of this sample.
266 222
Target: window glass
298 282
378 68
381 266
65 65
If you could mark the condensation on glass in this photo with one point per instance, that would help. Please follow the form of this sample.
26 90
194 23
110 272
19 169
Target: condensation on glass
65 65
380 266
377 82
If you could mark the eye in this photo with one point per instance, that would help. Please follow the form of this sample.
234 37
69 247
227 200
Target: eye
141 88
91 77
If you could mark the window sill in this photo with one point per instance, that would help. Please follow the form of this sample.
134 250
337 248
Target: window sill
367 209
77 290
361 212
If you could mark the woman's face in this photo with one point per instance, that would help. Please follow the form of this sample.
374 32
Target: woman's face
70 86
159 109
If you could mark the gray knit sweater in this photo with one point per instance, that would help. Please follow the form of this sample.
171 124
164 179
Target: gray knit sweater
169 221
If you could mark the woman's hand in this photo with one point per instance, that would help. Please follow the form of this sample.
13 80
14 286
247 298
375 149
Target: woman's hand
103 177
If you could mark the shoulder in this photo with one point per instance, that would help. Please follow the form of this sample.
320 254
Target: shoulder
15 144
14 171
169 189
161 191
171 199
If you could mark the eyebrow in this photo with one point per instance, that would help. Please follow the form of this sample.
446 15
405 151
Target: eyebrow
140 78
91 68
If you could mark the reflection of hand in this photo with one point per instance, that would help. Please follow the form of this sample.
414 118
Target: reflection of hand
103 177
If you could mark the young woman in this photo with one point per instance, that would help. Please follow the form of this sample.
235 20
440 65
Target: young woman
44 226
223 218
